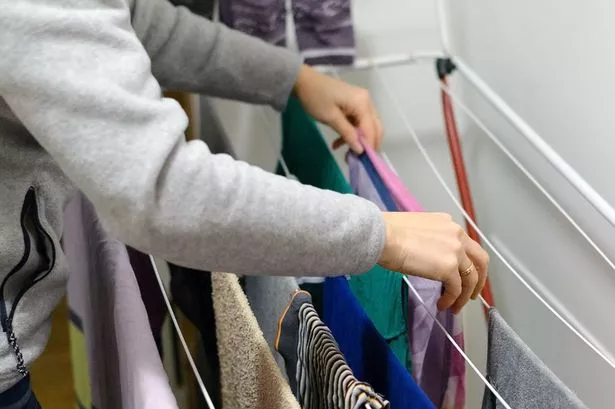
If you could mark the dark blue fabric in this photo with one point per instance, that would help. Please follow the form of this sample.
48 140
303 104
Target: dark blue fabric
19 396
366 351
385 196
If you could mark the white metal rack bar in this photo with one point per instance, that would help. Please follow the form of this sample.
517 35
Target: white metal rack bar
392 60
563 167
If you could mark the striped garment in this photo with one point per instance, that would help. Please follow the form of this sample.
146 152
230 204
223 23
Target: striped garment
323 379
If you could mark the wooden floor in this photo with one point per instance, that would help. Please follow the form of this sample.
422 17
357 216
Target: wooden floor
52 374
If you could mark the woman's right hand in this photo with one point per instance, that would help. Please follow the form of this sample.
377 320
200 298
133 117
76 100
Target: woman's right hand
433 246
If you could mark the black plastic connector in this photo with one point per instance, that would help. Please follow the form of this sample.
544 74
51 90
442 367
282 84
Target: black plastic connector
444 67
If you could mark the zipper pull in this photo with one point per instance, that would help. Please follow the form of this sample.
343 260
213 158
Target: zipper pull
6 325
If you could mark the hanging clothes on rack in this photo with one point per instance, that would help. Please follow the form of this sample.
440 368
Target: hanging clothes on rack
323 28
366 351
369 288
265 19
249 376
437 367
109 324
323 379
150 294
522 379
309 159
268 297
191 291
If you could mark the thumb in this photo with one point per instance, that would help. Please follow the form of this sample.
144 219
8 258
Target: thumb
347 131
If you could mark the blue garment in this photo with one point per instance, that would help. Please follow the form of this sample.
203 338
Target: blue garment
366 351
385 196
19 396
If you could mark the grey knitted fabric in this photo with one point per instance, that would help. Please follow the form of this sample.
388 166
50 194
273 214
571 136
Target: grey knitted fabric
519 376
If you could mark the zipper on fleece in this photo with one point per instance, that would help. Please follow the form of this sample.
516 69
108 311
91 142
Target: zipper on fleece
44 246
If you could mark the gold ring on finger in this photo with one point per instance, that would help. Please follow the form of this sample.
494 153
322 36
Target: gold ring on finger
467 271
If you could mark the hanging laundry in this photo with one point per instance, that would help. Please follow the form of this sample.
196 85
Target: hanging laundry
268 297
366 352
150 293
361 183
309 159
109 325
323 379
191 292
388 314
519 376
249 376
265 19
437 366
324 30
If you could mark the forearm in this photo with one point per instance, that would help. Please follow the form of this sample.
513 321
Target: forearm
191 53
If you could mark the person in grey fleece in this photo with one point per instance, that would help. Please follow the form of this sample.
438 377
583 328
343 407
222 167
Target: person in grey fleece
81 107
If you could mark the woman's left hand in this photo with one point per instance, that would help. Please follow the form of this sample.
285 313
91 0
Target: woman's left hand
342 106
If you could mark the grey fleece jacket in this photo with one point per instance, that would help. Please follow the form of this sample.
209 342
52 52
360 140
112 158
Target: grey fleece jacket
81 107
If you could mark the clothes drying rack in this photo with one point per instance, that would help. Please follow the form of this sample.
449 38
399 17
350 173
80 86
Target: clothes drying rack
446 64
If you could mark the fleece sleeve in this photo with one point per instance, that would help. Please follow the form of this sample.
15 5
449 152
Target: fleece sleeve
79 79
190 53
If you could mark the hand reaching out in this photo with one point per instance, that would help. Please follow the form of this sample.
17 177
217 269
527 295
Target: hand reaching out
342 106
432 246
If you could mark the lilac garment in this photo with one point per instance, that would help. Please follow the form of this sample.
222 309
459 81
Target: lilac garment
124 365
438 367
325 32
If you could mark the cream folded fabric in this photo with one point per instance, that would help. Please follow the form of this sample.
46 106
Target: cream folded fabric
249 375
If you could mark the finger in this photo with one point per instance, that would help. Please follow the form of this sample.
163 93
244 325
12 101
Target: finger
344 128
480 258
367 123
379 129
452 291
468 284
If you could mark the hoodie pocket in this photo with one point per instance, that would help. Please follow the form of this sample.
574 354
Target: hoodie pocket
37 242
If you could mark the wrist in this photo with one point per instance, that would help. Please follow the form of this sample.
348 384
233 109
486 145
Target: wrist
387 257
302 78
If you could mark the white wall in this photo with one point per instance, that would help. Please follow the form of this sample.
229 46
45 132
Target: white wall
551 61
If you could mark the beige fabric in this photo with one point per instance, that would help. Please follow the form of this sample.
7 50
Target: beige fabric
249 376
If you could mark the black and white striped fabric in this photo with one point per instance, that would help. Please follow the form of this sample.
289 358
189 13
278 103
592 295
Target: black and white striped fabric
323 378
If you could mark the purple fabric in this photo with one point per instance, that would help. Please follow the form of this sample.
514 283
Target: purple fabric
265 19
125 368
438 368
325 33
324 30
